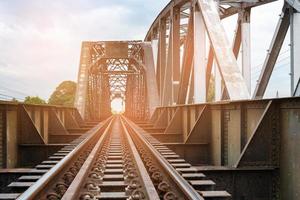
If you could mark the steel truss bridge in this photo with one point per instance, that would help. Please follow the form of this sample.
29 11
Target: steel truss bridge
171 142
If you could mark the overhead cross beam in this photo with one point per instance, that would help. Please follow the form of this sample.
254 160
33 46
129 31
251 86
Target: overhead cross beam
186 63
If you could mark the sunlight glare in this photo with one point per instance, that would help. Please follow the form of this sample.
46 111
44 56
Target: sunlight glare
117 106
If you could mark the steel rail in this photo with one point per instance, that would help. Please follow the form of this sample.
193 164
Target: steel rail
37 187
74 188
182 184
148 184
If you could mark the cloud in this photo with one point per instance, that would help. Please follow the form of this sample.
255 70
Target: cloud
263 23
41 40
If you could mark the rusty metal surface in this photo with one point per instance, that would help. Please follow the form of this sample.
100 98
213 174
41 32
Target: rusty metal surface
34 125
252 183
98 174
243 134
116 49
266 127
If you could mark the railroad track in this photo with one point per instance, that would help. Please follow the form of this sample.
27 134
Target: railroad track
116 160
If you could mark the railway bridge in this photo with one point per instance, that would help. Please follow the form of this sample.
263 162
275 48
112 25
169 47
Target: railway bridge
169 139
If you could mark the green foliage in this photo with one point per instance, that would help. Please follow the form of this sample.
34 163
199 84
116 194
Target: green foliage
14 100
64 94
34 100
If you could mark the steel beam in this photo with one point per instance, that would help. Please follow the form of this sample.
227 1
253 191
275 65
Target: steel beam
295 52
209 66
236 49
199 58
227 9
190 92
81 91
162 56
227 64
237 37
187 62
167 84
294 3
273 52
246 47
153 98
175 13
218 84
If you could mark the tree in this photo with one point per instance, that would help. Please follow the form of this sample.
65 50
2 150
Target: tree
34 100
64 94
14 100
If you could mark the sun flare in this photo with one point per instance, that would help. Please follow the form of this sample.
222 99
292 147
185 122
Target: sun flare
117 106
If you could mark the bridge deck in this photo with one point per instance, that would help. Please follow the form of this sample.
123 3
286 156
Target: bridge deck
114 160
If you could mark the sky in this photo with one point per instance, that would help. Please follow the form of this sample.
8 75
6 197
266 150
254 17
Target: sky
40 41
263 23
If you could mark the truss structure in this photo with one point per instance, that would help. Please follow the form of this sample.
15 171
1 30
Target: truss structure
175 62
190 41
111 70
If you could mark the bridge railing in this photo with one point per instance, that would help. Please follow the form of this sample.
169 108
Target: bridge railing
25 124
232 131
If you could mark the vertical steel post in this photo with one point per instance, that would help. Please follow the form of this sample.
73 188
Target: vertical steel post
295 51
81 91
162 56
168 80
218 84
175 51
199 57
246 47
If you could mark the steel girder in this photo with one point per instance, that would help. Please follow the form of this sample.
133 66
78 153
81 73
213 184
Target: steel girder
236 83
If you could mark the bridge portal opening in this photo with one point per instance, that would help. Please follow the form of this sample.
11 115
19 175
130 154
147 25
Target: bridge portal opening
117 106
114 78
